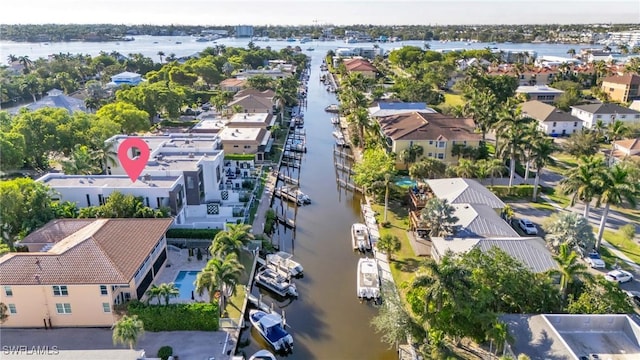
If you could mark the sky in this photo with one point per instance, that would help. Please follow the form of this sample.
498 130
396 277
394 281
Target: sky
320 12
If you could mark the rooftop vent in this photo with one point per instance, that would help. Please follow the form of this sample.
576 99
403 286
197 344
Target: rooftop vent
191 155
146 177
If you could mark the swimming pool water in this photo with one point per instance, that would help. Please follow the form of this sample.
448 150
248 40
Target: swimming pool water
185 282
405 182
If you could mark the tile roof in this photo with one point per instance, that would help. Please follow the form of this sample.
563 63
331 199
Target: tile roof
464 191
545 112
105 251
252 102
267 94
626 79
359 65
427 126
630 144
606 108
233 82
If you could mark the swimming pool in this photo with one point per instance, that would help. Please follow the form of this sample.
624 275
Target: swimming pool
405 181
185 282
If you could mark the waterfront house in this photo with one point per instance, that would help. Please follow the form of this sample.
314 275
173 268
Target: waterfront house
480 225
361 66
76 270
252 104
551 120
246 140
126 78
385 108
252 120
608 113
622 88
57 99
232 85
435 133
267 94
540 92
627 149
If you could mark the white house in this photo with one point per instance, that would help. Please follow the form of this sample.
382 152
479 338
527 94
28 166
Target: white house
395 108
607 112
551 120
540 92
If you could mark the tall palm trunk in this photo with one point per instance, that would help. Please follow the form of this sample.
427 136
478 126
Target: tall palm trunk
512 168
386 202
526 171
587 207
603 223
536 183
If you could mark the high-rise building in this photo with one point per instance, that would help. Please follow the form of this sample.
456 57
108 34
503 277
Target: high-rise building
244 31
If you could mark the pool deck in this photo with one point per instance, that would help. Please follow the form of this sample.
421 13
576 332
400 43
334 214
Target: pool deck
179 261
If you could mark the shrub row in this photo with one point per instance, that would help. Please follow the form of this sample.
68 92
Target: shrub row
192 233
176 317
520 191
239 157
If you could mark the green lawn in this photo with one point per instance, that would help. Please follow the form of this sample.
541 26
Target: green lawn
405 262
453 99
555 196
628 247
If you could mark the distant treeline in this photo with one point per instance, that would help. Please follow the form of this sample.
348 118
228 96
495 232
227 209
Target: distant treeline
482 33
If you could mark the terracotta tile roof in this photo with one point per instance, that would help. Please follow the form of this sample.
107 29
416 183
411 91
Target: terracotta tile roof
105 251
626 79
630 144
233 82
359 65
545 112
267 94
427 126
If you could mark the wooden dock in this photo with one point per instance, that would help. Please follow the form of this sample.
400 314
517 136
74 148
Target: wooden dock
290 163
343 154
288 179
349 185
290 223
345 168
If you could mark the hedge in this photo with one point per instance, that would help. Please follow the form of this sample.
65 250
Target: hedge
192 233
176 317
520 191
239 157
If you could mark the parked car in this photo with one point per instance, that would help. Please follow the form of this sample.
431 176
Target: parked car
619 276
528 227
595 261
634 296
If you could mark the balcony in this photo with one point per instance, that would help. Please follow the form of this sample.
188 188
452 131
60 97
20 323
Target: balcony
419 197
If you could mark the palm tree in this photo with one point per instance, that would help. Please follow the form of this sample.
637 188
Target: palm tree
388 244
495 167
616 130
127 331
427 168
512 130
26 63
153 292
437 215
541 152
582 182
11 59
167 291
81 162
360 118
615 187
465 169
226 272
571 52
106 156
206 280
409 155
160 54
570 268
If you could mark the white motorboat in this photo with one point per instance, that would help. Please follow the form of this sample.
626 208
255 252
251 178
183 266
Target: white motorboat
283 261
368 279
333 108
360 237
263 355
341 142
293 194
338 134
335 120
271 327
275 282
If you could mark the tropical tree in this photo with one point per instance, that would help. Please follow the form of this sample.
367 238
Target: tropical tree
4 312
409 155
570 268
437 215
167 291
106 156
616 130
512 130
427 168
206 281
465 169
373 167
359 118
161 55
583 143
127 331
616 186
570 229
81 162
226 272
393 321
26 63
154 292
388 244
601 297
232 240
540 156
385 183
583 182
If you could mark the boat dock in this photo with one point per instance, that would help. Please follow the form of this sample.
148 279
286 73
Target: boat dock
338 152
345 168
349 185
288 222
288 179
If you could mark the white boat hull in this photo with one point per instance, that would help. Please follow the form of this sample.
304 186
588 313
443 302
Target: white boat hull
368 282
360 238
271 327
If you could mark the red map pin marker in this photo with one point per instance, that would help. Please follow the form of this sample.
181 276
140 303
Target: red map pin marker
133 167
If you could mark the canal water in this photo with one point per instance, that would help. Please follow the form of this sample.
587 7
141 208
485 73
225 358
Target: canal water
327 321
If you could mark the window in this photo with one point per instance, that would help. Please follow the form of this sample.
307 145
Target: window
106 307
88 200
64 308
100 199
575 123
8 291
441 144
623 116
430 142
235 146
554 124
60 290
430 155
103 290
247 146
190 183
440 156
12 309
